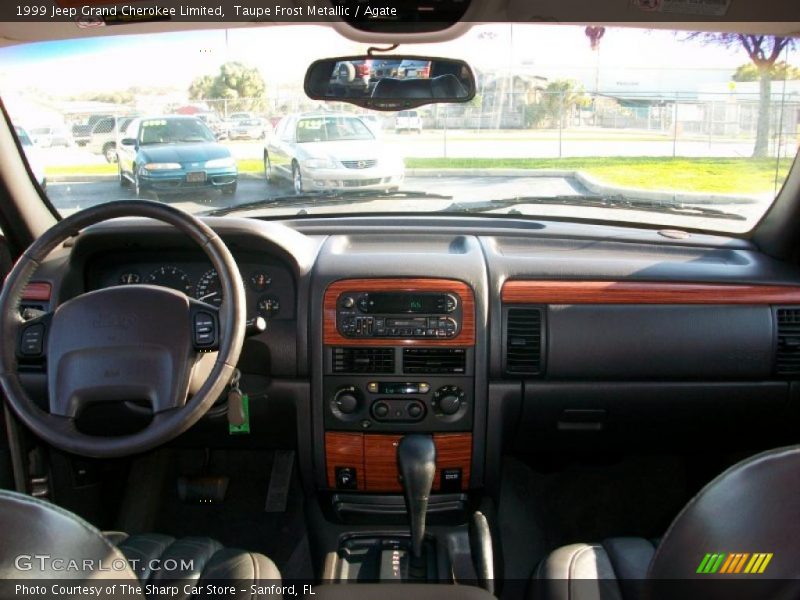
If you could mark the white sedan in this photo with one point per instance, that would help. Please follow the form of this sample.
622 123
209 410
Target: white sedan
331 151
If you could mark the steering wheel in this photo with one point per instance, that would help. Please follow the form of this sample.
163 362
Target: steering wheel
134 342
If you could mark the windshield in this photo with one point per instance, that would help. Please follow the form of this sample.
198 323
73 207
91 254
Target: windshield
620 124
331 129
174 131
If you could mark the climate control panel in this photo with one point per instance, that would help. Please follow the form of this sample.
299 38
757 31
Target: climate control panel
369 404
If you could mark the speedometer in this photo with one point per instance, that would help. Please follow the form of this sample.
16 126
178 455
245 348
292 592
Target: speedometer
208 289
170 277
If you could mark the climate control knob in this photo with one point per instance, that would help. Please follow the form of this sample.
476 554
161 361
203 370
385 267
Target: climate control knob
346 400
448 399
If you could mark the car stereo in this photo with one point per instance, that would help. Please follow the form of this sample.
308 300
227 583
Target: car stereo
398 314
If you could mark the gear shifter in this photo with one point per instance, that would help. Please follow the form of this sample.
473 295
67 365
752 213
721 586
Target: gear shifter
416 461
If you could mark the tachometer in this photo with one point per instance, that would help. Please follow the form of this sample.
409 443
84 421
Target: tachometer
208 289
171 277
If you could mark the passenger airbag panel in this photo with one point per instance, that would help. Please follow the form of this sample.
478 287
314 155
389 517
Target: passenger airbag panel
669 342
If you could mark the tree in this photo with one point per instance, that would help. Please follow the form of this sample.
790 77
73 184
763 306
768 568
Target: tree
554 102
764 51
779 72
235 81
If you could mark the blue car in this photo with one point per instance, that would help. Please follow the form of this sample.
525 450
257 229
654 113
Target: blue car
174 154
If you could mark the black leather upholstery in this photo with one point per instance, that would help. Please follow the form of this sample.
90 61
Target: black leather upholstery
752 508
32 528
612 570
207 557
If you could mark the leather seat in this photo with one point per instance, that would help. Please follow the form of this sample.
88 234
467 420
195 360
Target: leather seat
750 511
32 528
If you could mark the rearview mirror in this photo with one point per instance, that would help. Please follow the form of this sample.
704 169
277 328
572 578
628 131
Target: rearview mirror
128 141
390 82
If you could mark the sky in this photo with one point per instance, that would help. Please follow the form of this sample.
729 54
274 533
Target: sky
627 57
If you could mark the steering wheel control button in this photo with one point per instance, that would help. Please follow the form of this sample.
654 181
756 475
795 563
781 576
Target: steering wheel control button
32 340
205 330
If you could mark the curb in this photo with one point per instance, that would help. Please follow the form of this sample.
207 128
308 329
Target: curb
591 184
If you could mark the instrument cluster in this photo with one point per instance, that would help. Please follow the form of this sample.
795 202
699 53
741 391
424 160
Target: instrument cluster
268 287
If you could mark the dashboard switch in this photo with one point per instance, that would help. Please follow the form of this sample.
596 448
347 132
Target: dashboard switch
346 478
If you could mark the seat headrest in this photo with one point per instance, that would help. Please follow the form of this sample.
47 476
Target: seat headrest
43 541
743 527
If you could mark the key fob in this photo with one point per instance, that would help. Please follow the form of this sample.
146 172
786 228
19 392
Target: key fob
235 408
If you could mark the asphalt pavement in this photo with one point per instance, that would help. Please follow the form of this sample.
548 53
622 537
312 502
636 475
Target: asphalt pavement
70 196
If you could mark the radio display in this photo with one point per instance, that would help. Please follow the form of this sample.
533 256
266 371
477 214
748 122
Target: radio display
389 303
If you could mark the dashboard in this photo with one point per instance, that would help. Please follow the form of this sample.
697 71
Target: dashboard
533 336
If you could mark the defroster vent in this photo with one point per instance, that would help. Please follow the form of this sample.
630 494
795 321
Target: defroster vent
523 341
788 351
363 360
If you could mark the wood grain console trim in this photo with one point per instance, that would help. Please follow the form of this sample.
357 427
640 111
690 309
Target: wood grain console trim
375 458
345 450
466 336
642 292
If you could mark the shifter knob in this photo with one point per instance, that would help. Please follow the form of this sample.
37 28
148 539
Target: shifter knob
416 461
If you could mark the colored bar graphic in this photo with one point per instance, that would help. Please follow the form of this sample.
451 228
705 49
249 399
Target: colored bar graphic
734 563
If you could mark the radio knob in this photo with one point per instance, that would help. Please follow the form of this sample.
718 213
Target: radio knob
348 302
381 410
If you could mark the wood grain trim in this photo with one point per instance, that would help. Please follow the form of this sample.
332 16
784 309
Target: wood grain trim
345 450
636 292
37 291
453 450
466 336
380 463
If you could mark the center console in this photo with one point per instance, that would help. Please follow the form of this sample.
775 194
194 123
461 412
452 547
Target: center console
398 359
396 422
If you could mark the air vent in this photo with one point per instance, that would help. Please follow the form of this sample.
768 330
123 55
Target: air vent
788 353
434 360
363 360
524 341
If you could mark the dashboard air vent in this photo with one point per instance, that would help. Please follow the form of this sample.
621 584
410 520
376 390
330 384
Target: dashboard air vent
434 360
363 360
524 341
788 353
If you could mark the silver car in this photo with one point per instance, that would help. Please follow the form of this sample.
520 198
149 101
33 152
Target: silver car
330 151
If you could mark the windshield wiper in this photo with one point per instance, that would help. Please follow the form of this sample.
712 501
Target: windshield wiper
324 199
613 202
